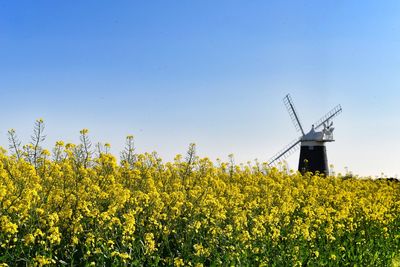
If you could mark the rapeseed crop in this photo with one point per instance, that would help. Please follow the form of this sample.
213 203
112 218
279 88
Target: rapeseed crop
79 205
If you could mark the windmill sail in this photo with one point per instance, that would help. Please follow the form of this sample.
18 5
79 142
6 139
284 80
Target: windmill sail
285 152
292 112
333 113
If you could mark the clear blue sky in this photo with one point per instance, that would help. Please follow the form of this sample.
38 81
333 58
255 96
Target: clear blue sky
209 72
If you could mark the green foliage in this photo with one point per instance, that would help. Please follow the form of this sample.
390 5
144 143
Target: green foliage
80 207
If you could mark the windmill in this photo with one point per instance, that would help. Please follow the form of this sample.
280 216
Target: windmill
313 151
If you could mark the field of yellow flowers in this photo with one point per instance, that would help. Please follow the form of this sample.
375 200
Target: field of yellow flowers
79 205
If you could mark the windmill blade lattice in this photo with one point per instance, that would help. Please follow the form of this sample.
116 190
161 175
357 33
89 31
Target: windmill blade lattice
292 112
285 152
333 113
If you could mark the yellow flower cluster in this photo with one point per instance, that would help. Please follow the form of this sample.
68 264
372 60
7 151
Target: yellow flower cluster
81 208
